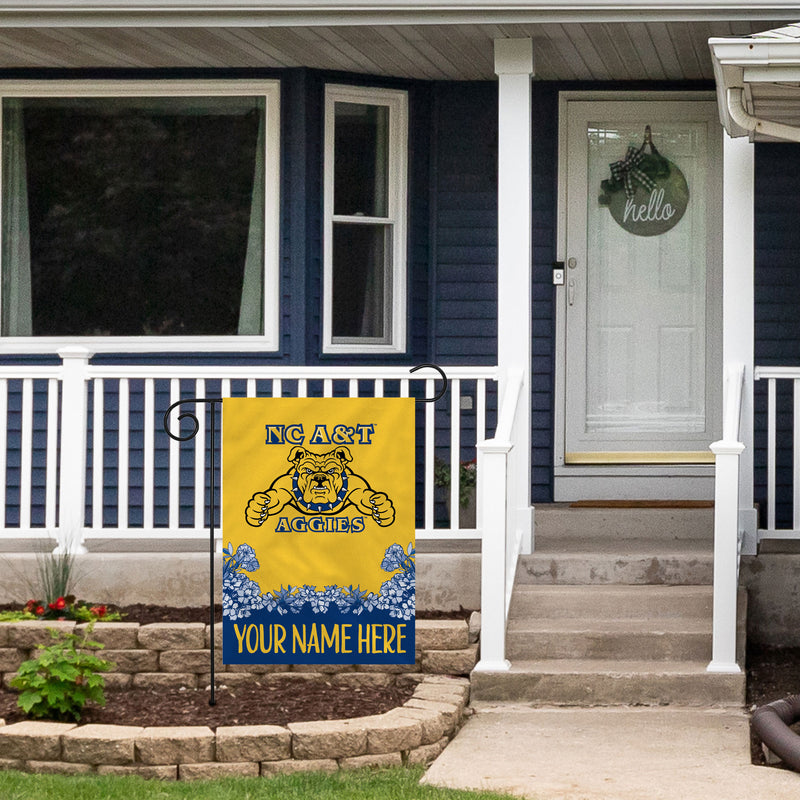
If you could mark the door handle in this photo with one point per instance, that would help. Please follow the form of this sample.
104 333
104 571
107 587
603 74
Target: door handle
571 291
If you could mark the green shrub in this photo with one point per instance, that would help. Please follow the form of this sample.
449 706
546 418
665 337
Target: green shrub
62 678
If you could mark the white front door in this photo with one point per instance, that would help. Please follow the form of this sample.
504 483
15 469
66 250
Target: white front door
641 300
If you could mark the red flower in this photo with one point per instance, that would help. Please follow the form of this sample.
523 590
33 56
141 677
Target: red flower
60 604
39 611
30 605
98 611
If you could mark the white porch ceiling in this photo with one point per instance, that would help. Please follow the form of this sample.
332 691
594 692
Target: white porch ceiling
649 48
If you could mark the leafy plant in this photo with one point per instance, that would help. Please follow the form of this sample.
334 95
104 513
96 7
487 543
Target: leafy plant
55 575
467 478
62 678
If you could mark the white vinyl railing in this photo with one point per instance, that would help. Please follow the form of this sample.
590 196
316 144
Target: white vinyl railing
140 485
499 518
727 537
777 378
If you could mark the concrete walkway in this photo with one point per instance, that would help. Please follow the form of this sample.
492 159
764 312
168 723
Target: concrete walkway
626 753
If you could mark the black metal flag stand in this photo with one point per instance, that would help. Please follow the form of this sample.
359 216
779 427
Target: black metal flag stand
190 415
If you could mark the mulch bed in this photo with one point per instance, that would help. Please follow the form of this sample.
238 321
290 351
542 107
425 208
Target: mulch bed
276 701
145 614
274 704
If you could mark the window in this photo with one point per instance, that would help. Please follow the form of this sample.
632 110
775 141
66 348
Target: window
365 220
143 215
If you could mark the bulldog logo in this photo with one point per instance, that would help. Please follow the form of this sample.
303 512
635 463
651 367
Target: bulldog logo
319 483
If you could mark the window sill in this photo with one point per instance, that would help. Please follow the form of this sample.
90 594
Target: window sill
24 345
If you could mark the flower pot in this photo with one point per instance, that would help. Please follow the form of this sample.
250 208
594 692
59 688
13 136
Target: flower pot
466 513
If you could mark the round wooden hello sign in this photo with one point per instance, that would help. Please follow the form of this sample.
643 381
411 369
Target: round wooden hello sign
647 194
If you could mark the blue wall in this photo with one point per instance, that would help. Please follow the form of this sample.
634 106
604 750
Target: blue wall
777 306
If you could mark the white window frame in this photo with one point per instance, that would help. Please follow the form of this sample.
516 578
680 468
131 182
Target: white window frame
397 214
269 339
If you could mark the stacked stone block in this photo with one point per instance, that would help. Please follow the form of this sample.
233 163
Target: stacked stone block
178 654
414 733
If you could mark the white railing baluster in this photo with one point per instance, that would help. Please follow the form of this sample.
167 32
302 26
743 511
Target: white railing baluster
480 410
68 433
148 478
455 453
200 458
430 452
174 478
51 458
123 452
26 455
98 452
796 454
771 423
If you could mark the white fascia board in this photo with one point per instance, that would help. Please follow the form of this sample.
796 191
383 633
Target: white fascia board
726 76
738 62
241 13
754 52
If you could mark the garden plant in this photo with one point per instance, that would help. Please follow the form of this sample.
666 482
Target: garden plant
63 677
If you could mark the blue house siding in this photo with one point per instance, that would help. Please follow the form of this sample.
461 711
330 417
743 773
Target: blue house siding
465 224
777 295
452 272
545 181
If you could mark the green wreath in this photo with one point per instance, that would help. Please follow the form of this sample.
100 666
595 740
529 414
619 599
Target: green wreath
637 167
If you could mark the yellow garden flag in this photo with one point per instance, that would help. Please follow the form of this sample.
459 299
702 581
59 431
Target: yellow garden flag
318 520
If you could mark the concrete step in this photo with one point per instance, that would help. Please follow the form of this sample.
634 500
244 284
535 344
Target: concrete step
679 640
613 601
577 682
592 561
563 521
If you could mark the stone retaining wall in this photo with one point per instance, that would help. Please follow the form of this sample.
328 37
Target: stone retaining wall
414 733
177 654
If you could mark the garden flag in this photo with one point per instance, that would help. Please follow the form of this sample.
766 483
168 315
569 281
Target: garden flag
318 526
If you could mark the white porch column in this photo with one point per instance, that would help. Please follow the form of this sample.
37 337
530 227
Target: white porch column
738 298
513 63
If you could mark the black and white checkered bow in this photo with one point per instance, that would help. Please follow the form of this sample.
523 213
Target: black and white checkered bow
627 171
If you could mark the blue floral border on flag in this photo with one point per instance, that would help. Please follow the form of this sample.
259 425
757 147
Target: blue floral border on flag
241 596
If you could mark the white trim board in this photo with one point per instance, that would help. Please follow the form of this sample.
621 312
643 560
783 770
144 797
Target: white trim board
241 13
395 300
269 340
574 482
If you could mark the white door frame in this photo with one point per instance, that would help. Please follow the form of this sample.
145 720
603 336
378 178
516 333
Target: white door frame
623 481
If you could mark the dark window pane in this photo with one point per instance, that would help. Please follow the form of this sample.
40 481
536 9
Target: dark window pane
140 213
361 160
360 281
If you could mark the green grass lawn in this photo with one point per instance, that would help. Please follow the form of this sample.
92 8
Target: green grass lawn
388 784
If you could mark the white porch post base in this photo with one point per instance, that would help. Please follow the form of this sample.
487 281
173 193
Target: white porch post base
727 667
726 557
494 517
492 666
